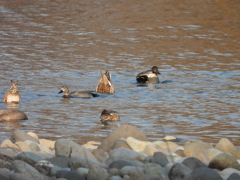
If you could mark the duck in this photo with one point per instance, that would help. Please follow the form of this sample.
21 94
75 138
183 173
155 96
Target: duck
149 76
12 95
74 94
109 116
12 115
105 84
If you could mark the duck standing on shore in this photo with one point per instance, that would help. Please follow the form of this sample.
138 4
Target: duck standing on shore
74 94
149 76
105 84
109 116
12 95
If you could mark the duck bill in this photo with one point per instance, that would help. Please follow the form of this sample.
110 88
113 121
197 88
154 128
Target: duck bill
60 91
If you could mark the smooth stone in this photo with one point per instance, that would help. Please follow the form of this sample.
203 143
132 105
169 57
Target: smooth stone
119 164
19 135
204 173
48 143
180 152
226 173
226 146
60 161
115 178
77 162
5 161
155 170
123 131
97 173
137 145
211 153
196 147
237 153
69 148
170 138
12 115
28 157
33 135
100 155
179 171
91 145
4 173
120 143
82 171
18 176
23 146
157 161
223 161
124 154
193 163
43 155
150 150
234 176
11 152
8 143
132 172
160 156
55 169
69 175
167 144
27 170
33 145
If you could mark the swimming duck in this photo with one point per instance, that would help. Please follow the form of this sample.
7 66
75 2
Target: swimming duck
12 95
109 116
105 85
74 94
149 76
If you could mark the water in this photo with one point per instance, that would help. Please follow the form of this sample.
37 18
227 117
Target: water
48 44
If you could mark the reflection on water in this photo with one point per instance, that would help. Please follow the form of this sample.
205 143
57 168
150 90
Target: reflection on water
194 44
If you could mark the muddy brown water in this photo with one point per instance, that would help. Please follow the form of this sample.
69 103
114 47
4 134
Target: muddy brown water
195 44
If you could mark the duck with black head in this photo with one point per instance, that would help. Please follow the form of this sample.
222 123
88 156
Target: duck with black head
149 76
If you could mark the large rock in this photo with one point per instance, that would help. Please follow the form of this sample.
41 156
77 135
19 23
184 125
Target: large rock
12 115
226 146
226 173
28 157
223 161
120 143
211 153
193 163
195 148
97 173
27 170
204 173
69 148
19 135
69 175
155 170
179 171
137 145
9 151
124 131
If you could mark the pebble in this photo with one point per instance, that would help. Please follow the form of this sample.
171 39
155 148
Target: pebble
125 154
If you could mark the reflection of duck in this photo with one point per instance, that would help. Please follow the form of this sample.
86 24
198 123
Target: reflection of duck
83 94
149 76
12 95
12 115
109 116
105 84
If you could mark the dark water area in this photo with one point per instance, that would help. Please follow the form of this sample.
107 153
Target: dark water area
196 45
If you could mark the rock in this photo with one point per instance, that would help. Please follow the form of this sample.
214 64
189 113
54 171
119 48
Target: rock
194 148
43 155
28 157
119 164
33 145
33 135
136 144
44 167
82 171
150 150
69 175
60 161
125 154
9 144
223 161
12 115
4 173
237 153
211 153
133 172
76 162
120 143
234 176
27 170
193 163
91 145
69 148
160 156
5 161
226 173
204 173
97 173
18 176
226 146
155 170
23 146
123 131
11 152
115 178
180 152
169 138
48 143
19 135
100 155
167 144
179 171
157 161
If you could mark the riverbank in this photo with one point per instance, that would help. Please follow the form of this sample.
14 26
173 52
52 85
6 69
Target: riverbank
126 153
